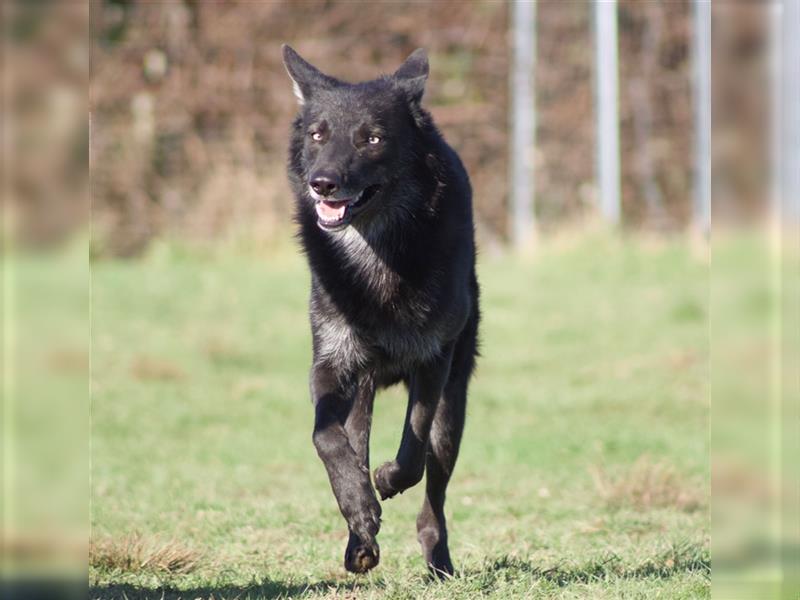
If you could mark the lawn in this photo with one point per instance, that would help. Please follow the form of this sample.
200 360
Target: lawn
583 471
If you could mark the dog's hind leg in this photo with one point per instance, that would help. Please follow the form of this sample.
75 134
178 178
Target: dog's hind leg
441 459
445 438
343 415
425 389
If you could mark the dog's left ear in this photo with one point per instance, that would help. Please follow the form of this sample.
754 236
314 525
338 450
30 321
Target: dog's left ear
412 75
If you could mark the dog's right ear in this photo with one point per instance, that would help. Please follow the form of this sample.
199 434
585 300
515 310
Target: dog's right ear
305 77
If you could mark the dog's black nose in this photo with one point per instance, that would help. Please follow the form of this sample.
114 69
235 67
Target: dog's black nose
324 185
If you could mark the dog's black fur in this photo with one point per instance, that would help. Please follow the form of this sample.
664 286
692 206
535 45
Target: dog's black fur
384 209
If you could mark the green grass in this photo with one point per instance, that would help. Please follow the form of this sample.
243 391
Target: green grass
583 471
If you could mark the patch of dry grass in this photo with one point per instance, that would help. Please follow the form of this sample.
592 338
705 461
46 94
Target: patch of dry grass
68 360
147 368
135 553
645 485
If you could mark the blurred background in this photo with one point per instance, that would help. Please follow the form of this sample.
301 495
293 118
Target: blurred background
600 137
190 107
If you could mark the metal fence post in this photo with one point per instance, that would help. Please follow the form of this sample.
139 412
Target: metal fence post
702 115
790 112
607 108
523 126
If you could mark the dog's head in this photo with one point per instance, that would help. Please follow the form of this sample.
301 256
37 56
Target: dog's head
357 137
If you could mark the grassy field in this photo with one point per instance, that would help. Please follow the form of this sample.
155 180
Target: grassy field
583 472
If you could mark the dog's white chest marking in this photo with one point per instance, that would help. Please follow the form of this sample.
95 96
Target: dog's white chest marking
364 255
338 343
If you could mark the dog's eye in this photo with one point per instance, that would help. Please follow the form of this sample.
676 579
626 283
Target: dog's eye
374 139
316 136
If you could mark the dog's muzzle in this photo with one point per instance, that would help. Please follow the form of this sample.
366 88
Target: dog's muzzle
333 214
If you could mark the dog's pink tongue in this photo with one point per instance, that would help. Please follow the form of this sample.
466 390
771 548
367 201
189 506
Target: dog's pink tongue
330 212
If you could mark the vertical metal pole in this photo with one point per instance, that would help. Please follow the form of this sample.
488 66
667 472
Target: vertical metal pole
523 123
775 361
775 131
607 108
702 115
790 296
790 109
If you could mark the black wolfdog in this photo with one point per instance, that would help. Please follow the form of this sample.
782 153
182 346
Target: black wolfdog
384 208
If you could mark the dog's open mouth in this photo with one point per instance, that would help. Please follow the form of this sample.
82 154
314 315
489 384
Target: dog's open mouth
335 214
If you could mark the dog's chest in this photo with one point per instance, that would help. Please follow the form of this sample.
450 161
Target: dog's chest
348 348
364 256
397 342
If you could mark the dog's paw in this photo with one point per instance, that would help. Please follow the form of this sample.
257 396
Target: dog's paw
441 569
435 552
382 481
390 479
385 475
361 556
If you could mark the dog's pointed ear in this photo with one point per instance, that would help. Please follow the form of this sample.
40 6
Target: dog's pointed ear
305 77
412 75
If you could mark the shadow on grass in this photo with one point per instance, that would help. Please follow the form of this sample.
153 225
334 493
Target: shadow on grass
476 580
264 589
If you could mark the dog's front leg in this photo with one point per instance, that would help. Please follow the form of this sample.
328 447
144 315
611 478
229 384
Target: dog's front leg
343 413
425 390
